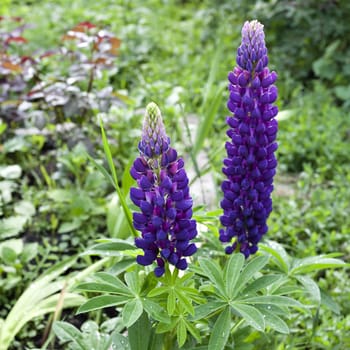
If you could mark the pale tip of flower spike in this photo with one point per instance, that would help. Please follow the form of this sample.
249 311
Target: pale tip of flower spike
154 141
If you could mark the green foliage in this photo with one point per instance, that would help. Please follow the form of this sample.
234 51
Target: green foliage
54 200
315 134
48 294
91 337
309 48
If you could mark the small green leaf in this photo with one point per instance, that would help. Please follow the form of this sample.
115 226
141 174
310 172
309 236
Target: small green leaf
133 281
212 270
275 322
155 311
272 299
181 333
12 226
167 327
112 247
315 263
68 332
120 342
311 287
260 283
171 303
121 266
193 330
102 301
132 311
24 208
221 331
327 301
102 288
202 311
185 301
158 291
278 252
8 255
110 279
249 271
232 272
251 315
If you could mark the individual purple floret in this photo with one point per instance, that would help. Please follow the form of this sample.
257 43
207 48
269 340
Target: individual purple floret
251 163
163 198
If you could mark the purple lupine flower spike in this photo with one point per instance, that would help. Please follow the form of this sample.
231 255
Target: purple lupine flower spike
163 198
251 163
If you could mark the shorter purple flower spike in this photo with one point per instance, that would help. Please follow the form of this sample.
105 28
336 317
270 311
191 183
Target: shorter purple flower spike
163 198
251 163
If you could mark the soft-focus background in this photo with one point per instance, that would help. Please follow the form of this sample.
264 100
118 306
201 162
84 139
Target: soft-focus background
65 63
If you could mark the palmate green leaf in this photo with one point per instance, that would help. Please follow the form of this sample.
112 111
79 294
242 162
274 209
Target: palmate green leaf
249 271
232 272
221 331
68 332
101 302
212 270
251 315
132 311
315 263
139 333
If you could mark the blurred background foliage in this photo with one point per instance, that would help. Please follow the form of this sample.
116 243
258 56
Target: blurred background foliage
64 64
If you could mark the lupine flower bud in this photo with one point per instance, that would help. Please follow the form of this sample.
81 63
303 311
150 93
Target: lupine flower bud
163 197
251 163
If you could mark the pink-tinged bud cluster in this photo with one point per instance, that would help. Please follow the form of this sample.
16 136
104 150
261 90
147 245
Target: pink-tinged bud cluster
163 198
251 163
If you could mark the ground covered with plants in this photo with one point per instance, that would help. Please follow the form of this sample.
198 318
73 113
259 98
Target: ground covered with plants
68 68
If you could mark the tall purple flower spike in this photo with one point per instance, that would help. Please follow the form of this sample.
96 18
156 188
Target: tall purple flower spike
251 163
163 197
